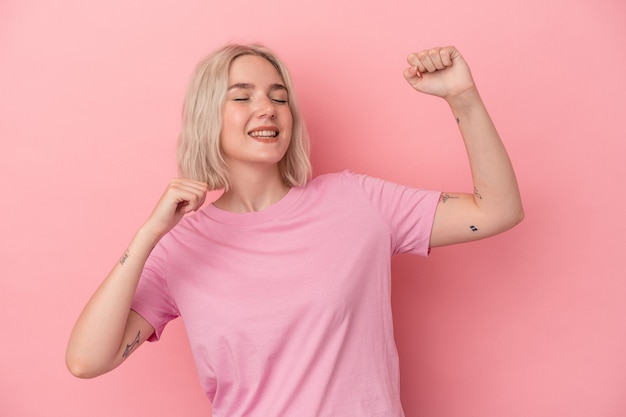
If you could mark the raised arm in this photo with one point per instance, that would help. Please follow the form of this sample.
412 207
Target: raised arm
108 331
494 205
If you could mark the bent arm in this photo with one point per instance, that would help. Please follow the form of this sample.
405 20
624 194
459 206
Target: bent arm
108 331
495 204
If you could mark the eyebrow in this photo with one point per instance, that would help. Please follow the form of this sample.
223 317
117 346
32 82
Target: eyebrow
248 86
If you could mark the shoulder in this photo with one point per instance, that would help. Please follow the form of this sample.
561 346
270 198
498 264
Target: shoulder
332 180
341 186
365 185
380 193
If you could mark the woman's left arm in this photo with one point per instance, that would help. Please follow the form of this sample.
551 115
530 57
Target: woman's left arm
495 204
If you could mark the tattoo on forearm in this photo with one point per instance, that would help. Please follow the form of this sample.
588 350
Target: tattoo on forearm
124 257
477 194
131 346
446 197
473 228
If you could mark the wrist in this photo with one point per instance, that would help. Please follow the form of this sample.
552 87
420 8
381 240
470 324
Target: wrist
143 242
465 99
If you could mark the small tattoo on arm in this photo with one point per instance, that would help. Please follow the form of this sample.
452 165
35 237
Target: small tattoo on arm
131 346
477 194
124 257
446 197
458 121
473 228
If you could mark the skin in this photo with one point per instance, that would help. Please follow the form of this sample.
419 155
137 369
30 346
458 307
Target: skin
256 102
495 204
108 331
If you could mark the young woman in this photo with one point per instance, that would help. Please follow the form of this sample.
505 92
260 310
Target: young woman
284 281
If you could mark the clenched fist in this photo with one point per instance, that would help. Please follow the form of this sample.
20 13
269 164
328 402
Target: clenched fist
439 71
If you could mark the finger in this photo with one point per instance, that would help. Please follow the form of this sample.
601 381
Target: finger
191 185
195 200
435 57
201 189
411 74
414 61
187 195
425 59
186 201
446 56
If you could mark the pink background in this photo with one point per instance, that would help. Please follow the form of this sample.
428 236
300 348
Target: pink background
530 323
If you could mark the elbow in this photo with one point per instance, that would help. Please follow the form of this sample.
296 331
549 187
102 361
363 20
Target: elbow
81 367
504 220
514 217
78 369
519 214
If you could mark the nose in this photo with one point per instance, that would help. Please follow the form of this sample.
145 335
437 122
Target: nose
266 108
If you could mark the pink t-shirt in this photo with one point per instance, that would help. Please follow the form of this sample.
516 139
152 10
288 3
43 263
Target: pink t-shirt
288 309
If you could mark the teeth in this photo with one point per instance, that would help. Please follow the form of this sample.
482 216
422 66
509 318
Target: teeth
264 133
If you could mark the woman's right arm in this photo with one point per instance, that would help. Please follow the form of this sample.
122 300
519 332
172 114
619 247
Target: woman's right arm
107 330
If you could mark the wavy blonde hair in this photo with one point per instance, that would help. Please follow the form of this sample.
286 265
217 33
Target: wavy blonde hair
199 151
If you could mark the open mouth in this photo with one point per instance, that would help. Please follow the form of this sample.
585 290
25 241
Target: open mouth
263 134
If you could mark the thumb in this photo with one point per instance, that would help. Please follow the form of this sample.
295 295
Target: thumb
412 75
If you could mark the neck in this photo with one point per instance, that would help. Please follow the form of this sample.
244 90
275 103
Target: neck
252 189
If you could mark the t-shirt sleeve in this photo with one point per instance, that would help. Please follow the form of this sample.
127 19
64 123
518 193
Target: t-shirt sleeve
408 212
152 299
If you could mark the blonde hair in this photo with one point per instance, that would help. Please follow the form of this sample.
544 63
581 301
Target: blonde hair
199 152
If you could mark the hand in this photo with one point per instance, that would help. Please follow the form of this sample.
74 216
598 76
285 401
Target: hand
439 71
181 196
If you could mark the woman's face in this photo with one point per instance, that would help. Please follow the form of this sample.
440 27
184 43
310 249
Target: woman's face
256 118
